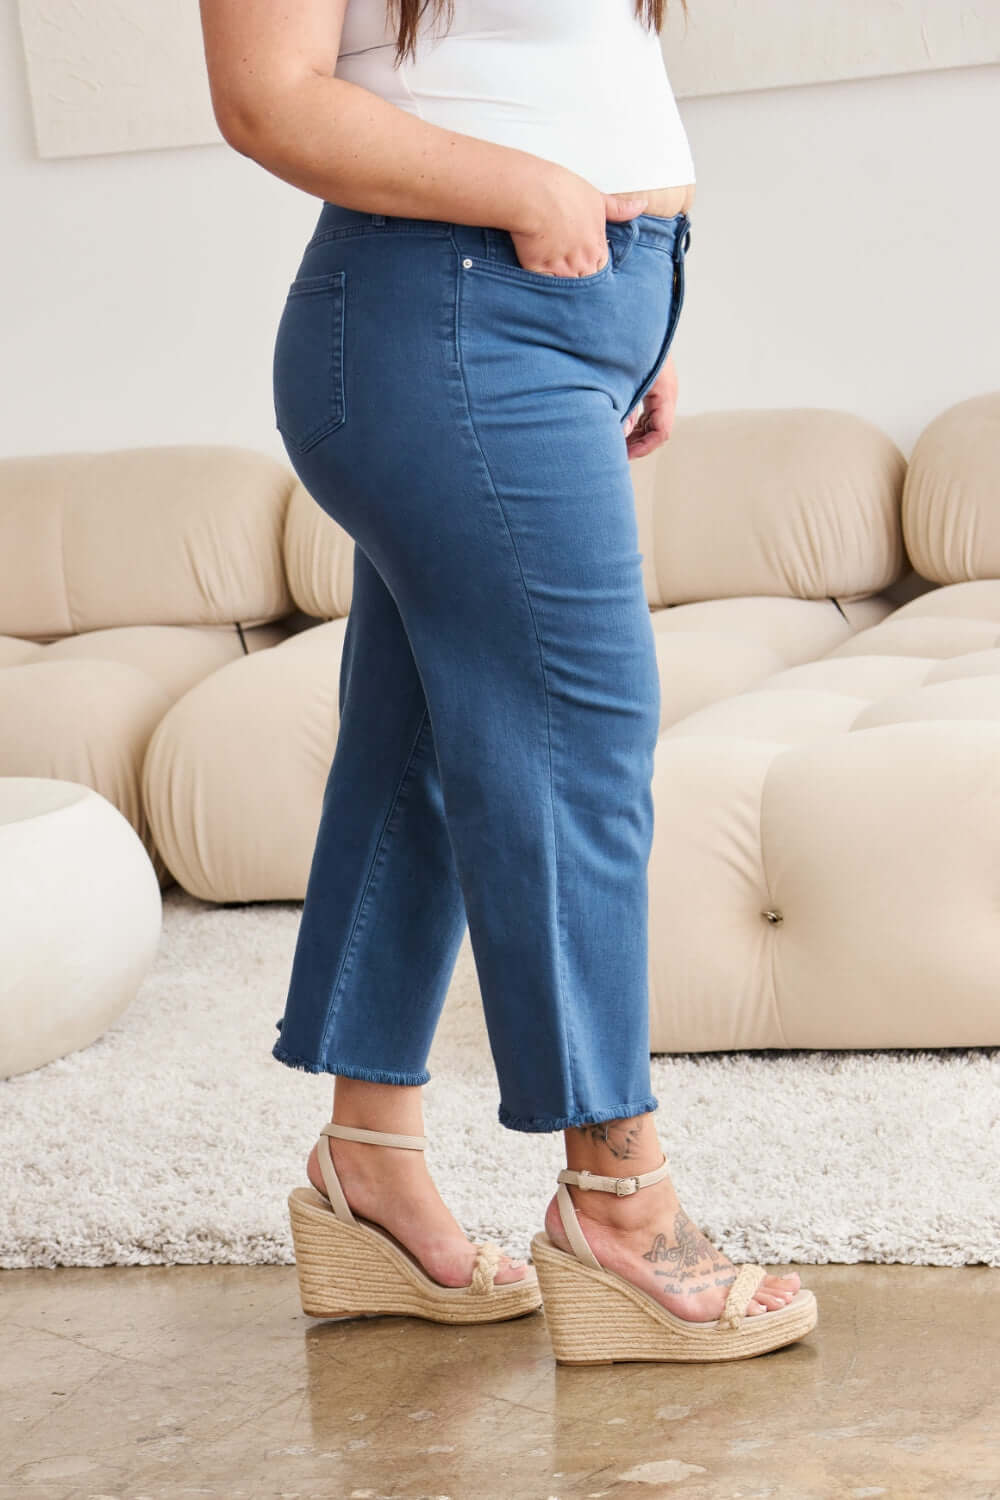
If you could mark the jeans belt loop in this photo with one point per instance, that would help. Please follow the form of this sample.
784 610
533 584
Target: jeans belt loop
618 248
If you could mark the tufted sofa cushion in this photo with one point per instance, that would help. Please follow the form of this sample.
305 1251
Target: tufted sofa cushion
824 868
319 558
951 497
826 886
83 709
185 535
708 650
125 579
796 503
233 779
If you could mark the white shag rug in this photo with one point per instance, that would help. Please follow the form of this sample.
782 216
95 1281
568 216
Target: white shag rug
176 1137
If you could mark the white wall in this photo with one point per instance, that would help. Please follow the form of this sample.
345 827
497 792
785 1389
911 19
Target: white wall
843 254
844 248
721 46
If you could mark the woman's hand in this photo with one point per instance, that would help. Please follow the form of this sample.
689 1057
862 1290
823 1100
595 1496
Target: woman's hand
646 431
567 234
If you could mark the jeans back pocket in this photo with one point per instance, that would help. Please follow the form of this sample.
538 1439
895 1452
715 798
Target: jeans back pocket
308 367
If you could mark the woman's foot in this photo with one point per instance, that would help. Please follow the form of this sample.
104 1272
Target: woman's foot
391 1186
647 1237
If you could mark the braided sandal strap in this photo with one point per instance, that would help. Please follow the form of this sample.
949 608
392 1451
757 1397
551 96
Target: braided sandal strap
741 1294
485 1269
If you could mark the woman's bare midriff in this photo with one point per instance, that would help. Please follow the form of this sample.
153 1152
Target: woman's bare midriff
664 202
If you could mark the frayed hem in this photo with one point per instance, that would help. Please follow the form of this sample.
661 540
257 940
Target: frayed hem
584 1117
349 1070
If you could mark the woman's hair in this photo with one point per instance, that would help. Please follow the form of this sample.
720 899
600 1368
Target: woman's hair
406 16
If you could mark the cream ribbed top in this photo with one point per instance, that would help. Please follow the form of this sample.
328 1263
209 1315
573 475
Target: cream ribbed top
578 82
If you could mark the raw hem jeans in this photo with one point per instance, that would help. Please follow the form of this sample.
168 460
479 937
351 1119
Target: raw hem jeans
462 419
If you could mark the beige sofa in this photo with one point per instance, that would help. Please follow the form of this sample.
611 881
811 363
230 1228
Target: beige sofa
171 623
126 578
825 869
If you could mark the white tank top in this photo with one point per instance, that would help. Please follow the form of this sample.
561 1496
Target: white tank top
578 82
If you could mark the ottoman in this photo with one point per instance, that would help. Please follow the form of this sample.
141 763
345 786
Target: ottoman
81 918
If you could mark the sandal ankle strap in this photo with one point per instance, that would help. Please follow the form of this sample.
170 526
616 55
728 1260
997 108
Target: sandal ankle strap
620 1186
376 1137
334 1191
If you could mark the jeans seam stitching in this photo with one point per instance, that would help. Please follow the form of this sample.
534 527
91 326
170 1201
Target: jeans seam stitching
369 882
350 231
545 680
332 288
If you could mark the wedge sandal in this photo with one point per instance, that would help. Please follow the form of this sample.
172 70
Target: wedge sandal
350 1267
595 1316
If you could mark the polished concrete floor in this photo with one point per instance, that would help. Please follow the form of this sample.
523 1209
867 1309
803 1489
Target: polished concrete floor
209 1383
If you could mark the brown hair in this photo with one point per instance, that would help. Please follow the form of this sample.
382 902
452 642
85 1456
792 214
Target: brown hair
407 15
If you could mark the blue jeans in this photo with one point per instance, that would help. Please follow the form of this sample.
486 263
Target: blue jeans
461 417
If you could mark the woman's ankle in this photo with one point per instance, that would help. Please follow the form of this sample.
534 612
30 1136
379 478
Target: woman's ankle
627 1147
391 1107
615 1148
650 1205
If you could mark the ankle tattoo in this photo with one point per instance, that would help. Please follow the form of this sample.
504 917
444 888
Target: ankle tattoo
622 1137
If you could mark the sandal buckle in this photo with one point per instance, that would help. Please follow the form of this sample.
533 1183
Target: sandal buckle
626 1185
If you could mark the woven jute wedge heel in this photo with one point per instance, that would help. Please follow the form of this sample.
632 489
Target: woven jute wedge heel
350 1267
595 1317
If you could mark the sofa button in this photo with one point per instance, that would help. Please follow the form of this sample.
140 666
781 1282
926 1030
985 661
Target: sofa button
774 917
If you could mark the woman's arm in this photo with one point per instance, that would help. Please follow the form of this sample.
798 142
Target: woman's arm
270 64
649 429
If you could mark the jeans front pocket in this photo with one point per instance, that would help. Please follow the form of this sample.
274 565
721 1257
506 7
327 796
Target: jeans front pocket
503 262
541 278
308 366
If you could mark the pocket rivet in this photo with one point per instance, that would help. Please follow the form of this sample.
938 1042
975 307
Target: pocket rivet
467 263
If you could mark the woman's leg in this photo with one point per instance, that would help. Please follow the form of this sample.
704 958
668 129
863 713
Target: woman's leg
383 916
392 1185
476 456
646 1236
382 842
481 466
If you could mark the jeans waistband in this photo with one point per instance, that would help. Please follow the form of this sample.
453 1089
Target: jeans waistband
670 234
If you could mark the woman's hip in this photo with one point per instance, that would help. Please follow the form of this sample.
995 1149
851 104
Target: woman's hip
410 350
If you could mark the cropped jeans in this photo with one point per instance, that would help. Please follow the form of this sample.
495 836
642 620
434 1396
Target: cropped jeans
462 417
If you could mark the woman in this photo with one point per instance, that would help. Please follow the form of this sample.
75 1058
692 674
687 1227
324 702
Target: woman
490 291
